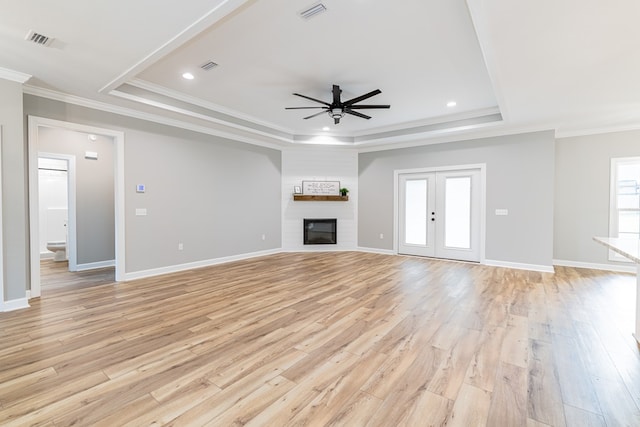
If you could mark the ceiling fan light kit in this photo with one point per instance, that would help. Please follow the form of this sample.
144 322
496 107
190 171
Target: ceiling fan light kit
337 109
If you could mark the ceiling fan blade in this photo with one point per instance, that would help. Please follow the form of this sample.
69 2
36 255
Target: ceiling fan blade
363 107
301 108
314 115
312 99
336 95
362 97
355 113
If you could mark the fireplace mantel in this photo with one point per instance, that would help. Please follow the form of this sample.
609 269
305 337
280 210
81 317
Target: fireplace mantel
309 198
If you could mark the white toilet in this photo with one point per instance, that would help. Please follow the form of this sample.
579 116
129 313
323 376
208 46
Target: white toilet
59 249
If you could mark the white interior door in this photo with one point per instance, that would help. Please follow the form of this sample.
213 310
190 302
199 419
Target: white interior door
439 214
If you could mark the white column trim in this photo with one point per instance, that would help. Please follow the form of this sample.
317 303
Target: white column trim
1 241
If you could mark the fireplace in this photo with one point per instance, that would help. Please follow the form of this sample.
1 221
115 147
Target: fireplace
320 231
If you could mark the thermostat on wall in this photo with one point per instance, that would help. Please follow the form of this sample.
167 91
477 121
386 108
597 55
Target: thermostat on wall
140 188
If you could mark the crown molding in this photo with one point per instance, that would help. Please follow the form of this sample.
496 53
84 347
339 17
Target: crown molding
560 134
196 115
14 76
486 130
161 90
129 112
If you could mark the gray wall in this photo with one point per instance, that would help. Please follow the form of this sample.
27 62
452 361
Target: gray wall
215 196
582 193
95 212
14 192
519 172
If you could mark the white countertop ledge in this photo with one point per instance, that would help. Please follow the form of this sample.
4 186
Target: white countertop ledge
628 248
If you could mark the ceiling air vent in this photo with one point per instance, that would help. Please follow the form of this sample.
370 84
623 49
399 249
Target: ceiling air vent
313 11
38 38
208 65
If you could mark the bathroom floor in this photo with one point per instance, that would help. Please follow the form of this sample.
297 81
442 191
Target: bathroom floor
56 275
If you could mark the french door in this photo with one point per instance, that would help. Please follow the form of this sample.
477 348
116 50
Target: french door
439 214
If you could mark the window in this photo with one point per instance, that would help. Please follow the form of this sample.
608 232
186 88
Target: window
624 215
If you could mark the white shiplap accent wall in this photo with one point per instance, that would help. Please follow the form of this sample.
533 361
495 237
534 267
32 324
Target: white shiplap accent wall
319 164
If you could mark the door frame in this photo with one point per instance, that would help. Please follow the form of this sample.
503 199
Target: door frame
34 123
72 253
483 199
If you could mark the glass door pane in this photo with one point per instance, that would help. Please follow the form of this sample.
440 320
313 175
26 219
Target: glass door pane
415 212
457 220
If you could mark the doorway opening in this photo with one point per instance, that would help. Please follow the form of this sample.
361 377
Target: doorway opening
38 125
439 212
57 207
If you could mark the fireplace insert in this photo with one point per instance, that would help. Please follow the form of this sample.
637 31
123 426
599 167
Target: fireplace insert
320 231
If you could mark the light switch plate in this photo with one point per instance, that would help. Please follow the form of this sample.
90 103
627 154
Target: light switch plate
141 212
502 212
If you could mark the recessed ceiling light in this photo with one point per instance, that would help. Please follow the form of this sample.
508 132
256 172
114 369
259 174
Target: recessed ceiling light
451 104
326 128
188 76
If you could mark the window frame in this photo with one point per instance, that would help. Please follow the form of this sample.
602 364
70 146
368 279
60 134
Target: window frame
613 202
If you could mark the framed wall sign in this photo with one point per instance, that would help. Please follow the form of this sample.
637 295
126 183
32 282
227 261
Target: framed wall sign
321 188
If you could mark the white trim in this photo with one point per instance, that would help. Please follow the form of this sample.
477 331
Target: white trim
483 199
1 226
613 128
219 12
138 114
318 248
96 265
14 76
72 253
47 255
34 123
181 96
613 202
519 266
376 251
198 264
15 304
205 117
594 266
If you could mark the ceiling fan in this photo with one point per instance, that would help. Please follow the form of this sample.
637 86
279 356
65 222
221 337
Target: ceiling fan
337 109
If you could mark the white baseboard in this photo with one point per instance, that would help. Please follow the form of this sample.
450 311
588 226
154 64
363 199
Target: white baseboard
605 267
376 251
47 255
198 264
318 248
519 266
95 265
16 304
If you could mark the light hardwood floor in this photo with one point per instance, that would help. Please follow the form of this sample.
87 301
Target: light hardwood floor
320 339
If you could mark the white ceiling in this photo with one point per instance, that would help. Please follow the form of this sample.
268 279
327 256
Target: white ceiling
568 65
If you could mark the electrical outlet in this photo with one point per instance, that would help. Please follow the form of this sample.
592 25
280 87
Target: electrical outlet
381 236
264 237
180 246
